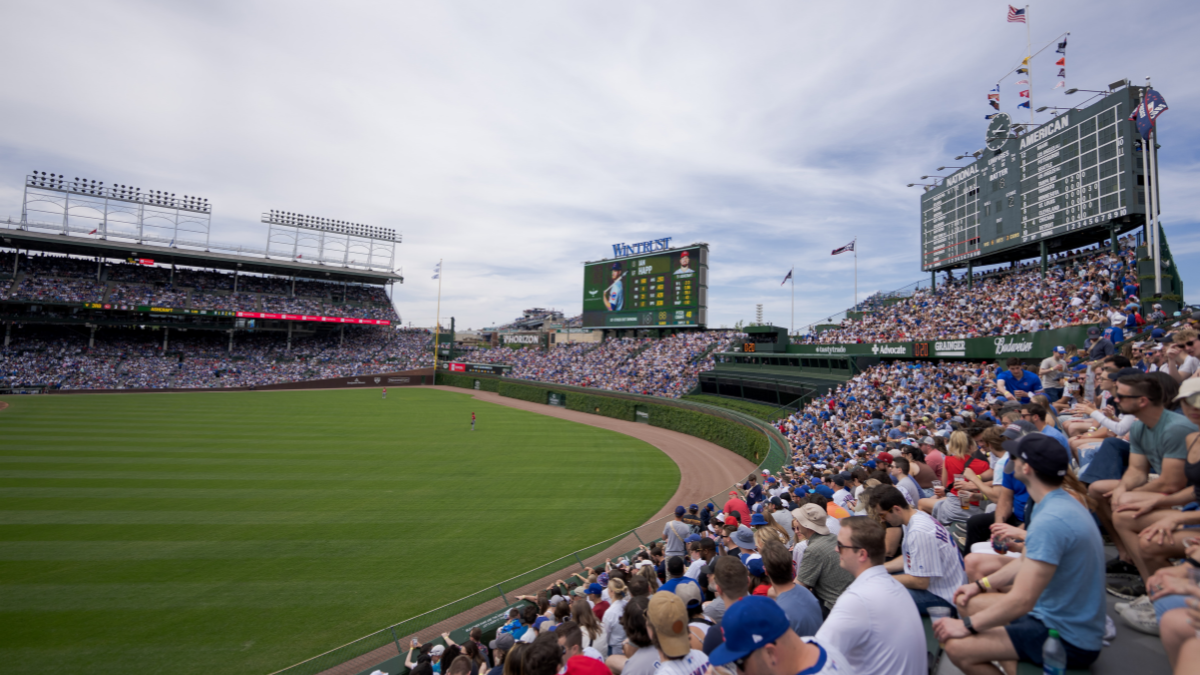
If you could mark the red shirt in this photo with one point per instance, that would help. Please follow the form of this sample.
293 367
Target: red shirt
600 608
954 466
735 505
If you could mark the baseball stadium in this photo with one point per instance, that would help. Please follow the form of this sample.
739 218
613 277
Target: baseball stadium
220 457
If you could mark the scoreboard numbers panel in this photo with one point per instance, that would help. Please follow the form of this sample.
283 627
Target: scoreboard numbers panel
653 290
1078 171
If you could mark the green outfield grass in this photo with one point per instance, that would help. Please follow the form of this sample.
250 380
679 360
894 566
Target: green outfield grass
243 532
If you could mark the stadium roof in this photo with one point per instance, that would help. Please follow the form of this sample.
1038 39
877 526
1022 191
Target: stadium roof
74 245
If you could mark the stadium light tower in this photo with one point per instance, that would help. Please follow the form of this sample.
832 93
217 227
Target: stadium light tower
965 155
943 168
93 207
297 230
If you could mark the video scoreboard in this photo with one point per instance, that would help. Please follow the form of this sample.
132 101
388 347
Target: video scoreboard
659 289
1079 171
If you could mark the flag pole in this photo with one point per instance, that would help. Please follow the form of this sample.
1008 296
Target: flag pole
856 272
437 323
1152 191
1146 194
792 274
1028 57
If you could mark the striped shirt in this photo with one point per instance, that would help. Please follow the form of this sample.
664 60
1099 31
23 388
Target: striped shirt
930 552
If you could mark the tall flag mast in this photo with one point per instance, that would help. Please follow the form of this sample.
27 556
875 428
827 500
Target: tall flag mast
1022 16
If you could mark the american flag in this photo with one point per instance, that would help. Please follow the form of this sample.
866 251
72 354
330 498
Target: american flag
844 249
1016 15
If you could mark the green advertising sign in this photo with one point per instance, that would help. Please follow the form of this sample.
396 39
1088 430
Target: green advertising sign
1022 345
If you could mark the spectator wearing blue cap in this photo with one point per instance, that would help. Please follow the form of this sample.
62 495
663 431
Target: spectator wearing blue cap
759 639
692 519
674 532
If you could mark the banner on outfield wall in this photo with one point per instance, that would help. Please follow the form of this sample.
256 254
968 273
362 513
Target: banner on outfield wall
498 369
519 340
1022 345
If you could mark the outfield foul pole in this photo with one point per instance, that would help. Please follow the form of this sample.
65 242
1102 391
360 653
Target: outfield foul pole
437 322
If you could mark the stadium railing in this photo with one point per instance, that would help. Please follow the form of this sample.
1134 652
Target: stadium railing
487 608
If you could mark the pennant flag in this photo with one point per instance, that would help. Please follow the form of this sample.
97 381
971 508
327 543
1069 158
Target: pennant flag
993 97
299 256
844 249
789 276
1022 81
94 231
1024 105
1023 71
1016 15
1062 72
1061 62
996 88
1025 61
1147 112
1062 47
995 104
1024 94
437 270
1060 84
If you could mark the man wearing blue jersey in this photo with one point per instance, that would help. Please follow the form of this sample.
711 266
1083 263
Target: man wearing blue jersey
614 295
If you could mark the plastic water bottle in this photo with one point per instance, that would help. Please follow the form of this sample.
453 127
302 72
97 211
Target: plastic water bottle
1054 655
1089 388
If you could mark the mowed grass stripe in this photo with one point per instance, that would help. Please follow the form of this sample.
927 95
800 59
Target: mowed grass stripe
243 532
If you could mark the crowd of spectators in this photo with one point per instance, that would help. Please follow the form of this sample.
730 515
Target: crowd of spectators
1079 289
64 279
129 359
668 367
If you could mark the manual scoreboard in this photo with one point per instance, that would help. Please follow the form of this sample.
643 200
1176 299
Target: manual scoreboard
662 289
1079 171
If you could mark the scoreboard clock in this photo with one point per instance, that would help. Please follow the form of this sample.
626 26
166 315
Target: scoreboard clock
1076 172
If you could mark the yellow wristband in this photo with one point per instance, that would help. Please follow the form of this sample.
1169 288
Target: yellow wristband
986 583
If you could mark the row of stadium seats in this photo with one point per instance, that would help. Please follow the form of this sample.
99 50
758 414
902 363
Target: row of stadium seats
58 289
134 359
1077 290
62 267
667 367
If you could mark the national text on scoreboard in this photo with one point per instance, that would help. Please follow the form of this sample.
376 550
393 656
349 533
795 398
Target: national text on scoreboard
660 288
1079 171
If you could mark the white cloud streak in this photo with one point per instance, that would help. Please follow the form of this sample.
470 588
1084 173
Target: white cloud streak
516 140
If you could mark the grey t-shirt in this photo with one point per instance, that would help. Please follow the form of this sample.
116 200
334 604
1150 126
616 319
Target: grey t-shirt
1053 377
643 662
1168 439
675 532
803 610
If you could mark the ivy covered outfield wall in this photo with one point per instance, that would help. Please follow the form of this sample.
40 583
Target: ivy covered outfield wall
751 438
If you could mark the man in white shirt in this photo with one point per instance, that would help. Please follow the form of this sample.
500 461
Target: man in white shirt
842 495
875 622
759 640
1181 354
931 567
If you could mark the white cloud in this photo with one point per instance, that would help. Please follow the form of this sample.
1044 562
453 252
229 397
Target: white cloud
517 139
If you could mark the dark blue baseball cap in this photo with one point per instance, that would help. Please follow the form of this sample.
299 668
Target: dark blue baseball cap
749 625
595 589
679 510
757 519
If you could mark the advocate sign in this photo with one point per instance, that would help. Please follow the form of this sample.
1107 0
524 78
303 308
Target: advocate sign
1023 345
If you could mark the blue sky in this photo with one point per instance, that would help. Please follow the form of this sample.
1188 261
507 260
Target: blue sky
516 140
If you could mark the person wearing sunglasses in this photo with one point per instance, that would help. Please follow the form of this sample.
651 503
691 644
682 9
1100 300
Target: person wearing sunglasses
875 622
1181 354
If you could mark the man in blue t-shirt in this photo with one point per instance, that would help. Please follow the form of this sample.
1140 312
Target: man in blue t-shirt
1057 584
1016 382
